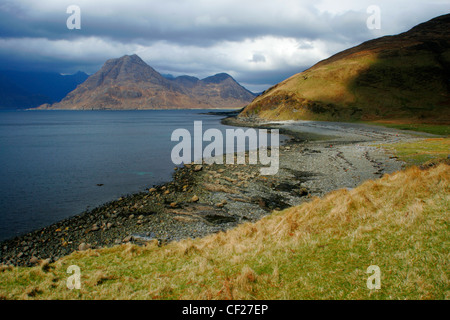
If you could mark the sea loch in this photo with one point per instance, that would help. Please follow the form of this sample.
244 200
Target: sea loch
56 164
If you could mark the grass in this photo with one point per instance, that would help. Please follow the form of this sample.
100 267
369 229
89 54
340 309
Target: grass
313 94
442 130
318 250
420 151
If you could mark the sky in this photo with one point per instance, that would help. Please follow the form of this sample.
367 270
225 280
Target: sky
258 42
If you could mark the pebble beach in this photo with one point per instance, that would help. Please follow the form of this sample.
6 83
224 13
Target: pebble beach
202 199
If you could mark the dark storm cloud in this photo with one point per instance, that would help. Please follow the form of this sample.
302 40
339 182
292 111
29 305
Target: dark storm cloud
191 24
257 57
259 42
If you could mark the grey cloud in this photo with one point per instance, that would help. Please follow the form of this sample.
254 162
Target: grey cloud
162 29
201 26
257 57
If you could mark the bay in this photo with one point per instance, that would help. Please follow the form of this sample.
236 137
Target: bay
56 164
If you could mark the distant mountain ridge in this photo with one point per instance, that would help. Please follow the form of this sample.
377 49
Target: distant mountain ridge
22 89
403 78
130 83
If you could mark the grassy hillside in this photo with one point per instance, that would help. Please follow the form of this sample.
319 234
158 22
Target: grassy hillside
403 77
421 152
318 250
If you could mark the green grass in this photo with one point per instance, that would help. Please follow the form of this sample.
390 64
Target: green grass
420 151
318 250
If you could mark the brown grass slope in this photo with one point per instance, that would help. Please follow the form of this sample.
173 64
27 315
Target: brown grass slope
318 250
405 77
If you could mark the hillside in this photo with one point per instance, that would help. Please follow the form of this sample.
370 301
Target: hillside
14 97
403 78
21 89
129 83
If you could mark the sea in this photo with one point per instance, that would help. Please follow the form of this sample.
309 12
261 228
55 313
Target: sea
57 164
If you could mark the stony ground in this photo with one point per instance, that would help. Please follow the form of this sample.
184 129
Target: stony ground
203 199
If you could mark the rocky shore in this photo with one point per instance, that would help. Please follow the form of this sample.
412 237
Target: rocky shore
204 199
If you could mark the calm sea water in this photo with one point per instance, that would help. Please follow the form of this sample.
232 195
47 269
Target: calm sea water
51 162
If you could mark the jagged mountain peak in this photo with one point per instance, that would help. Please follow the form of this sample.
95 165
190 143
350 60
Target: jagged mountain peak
217 78
129 68
130 83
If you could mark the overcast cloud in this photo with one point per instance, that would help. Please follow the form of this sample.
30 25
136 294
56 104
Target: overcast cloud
258 42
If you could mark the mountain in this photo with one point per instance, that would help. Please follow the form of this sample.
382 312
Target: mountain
129 83
21 90
405 77
14 97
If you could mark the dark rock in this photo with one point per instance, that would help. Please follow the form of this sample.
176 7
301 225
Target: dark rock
219 219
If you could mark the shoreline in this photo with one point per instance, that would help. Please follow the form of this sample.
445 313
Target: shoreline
204 199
